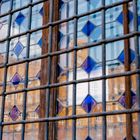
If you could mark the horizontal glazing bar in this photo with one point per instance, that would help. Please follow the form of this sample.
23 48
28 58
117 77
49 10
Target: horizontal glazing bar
130 35
51 119
65 20
22 8
127 73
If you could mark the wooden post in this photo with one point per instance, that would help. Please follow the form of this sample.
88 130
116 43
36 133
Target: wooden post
43 74
127 68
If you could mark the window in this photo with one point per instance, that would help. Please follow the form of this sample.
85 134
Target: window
69 69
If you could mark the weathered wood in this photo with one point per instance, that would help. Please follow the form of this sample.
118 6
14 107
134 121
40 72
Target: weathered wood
44 70
127 68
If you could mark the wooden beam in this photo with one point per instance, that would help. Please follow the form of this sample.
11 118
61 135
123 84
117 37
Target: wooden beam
43 73
127 68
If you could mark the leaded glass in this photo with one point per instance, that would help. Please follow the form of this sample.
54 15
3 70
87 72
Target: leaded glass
4 27
122 99
88 103
69 69
88 64
14 113
16 79
132 56
19 19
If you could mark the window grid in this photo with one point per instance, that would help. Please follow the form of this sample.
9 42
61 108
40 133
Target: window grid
103 42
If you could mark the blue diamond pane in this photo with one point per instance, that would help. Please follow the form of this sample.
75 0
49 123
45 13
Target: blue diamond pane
14 113
16 79
88 64
60 36
138 20
59 69
20 18
38 75
40 42
88 28
133 99
37 109
18 49
41 12
88 103
61 3
121 57
120 17
133 138
59 107
88 138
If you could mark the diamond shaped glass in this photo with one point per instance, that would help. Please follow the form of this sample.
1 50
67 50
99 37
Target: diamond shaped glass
14 113
60 36
89 103
88 64
38 75
37 109
133 138
18 49
59 69
41 12
138 20
20 18
40 42
88 28
16 79
121 57
61 2
88 138
120 17
122 99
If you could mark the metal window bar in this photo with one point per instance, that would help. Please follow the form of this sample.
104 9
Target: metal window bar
5 71
104 123
26 71
50 54
74 70
62 21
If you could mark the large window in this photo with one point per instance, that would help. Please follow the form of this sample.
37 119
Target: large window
69 69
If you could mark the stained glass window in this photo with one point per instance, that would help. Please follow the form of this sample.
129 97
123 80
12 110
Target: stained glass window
69 69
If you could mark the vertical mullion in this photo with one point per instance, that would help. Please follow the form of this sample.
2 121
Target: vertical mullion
136 44
26 71
6 69
74 71
67 62
51 7
104 127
